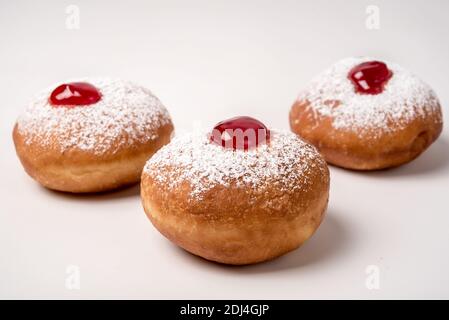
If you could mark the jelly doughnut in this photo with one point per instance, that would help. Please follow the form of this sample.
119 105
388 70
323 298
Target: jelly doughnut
90 135
240 194
366 114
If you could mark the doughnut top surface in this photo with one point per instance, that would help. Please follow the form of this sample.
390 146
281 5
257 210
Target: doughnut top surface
404 98
125 114
285 162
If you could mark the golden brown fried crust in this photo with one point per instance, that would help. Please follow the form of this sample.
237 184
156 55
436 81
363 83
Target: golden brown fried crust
365 150
235 225
79 171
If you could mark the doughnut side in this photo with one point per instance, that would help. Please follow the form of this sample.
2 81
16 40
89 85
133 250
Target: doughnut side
234 224
367 149
81 171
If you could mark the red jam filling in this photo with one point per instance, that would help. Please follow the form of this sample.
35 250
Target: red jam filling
370 77
240 133
74 94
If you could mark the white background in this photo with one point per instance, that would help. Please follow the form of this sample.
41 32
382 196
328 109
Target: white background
207 61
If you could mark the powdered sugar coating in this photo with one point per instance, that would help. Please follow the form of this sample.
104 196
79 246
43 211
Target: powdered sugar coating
194 159
126 114
405 97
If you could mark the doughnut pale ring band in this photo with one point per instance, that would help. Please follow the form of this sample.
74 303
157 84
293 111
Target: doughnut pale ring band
367 131
233 206
96 147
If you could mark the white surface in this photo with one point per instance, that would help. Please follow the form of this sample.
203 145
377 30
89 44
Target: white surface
209 60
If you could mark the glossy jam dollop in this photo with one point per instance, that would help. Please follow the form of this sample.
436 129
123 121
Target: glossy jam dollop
74 94
240 133
370 77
